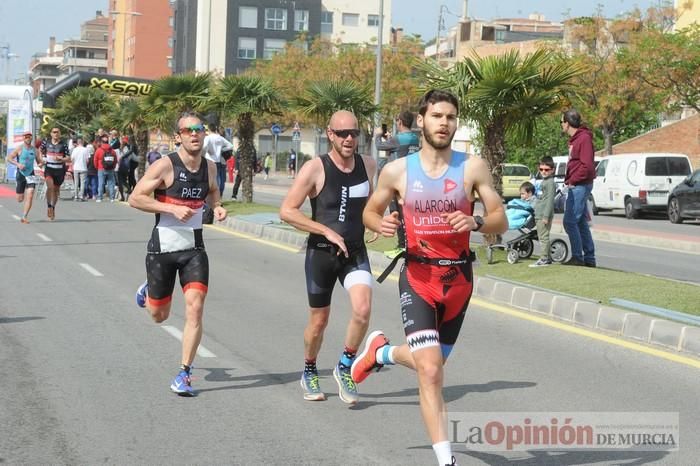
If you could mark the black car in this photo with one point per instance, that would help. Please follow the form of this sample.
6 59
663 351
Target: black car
684 200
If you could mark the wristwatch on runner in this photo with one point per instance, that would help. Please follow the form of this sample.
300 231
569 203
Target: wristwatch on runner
479 222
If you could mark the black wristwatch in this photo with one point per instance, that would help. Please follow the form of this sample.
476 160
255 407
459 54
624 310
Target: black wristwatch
479 222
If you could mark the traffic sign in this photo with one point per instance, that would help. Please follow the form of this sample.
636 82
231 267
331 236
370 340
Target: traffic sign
296 127
276 129
296 136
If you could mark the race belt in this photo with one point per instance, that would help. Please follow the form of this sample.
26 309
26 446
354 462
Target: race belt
437 261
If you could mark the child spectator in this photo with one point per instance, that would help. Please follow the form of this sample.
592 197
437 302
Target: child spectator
544 210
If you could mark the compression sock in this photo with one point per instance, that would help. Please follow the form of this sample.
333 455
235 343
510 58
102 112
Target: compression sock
310 366
385 355
348 357
443 451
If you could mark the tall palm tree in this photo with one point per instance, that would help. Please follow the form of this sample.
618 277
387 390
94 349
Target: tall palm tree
172 95
503 94
246 98
323 98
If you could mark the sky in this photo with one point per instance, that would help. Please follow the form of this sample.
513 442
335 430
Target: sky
28 24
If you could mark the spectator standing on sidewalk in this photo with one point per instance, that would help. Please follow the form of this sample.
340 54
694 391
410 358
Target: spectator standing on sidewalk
214 144
79 156
267 164
580 173
106 163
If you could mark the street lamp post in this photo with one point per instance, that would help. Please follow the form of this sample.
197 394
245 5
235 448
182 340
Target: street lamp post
125 13
378 81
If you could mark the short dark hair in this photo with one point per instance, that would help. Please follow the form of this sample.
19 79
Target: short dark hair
528 187
572 117
213 128
434 96
547 160
406 118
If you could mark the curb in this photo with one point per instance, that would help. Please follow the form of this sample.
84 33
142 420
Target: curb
607 320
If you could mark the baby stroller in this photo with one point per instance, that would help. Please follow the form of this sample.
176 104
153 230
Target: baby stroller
521 217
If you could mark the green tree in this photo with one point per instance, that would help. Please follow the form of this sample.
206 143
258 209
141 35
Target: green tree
669 62
504 94
547 139
80 109
611 97
130 117
246 98
172 95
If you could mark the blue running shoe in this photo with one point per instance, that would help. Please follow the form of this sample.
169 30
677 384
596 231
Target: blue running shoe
182 384
347 390
312 388
141 293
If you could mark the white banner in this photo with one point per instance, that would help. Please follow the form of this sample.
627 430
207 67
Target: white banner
19 121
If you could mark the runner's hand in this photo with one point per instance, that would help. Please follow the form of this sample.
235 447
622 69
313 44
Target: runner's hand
336 239
182 213
459 221
390 223
220 213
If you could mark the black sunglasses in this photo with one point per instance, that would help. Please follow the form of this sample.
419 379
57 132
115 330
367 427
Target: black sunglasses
344 133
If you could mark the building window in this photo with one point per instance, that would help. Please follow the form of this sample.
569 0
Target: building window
301 20
246 48
248 17
170 63
276 18
272 47
170 42
373 20
351 19
326 22
171 21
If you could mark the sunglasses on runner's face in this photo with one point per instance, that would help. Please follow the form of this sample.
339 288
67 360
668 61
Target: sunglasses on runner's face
197 129
344 133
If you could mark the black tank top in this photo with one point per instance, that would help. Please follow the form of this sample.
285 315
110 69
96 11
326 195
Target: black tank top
190 189
340 203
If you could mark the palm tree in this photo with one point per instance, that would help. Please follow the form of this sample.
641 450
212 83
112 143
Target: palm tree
246 98
80 109
172 95
129 116
323 98
505 94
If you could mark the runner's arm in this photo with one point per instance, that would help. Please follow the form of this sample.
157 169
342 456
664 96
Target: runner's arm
214 197
304 186
142 196
373 215
14 155
495 220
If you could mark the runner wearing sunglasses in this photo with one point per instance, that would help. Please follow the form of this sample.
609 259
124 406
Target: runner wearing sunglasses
182 182
337 185
23 157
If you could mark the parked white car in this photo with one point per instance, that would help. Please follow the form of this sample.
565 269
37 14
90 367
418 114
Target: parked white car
638 182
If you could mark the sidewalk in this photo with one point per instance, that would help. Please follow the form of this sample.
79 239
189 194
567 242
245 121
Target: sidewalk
279 184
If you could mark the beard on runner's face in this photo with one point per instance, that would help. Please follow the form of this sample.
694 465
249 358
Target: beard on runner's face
440 138
345 147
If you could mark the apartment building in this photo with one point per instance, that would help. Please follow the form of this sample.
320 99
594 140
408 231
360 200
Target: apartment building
43 68
227 36
89 53
140 38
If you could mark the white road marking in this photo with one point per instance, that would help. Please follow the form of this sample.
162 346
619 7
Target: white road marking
91 269
202 352
16 217
44 237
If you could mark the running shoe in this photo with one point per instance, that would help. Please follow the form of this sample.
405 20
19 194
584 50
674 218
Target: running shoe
366 361
347 390
393 252
24 220
312 388
141 294
50 213
182 384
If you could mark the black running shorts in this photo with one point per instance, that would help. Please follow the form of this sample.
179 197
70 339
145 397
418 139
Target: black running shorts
191 265
324 267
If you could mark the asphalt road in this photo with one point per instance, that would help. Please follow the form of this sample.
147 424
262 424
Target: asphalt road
86 373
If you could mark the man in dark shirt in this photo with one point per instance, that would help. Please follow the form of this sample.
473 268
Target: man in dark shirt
337 185
580 173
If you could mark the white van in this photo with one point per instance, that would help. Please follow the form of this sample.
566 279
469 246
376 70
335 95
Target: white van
638 182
